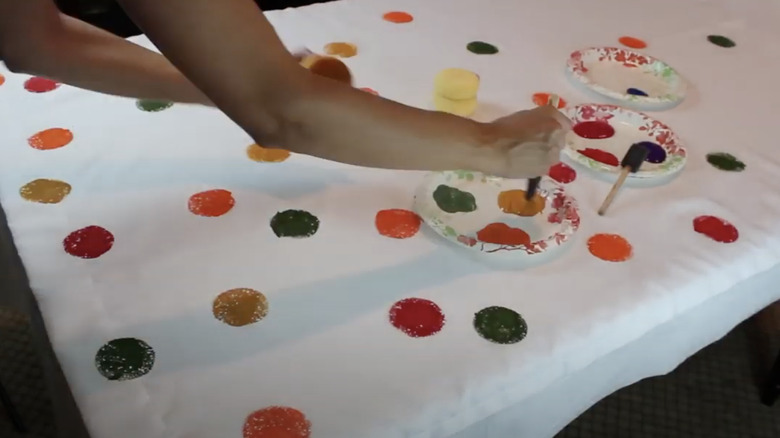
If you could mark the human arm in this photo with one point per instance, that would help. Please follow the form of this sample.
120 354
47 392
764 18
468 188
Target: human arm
35 38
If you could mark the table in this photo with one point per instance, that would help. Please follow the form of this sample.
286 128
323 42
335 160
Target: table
323 353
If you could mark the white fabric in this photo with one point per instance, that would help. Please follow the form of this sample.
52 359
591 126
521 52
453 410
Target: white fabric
326 347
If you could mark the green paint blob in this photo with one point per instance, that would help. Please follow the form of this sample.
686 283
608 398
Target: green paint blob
720 40
482 48
725 161
500 325
453 200
294 223
124 359
153 106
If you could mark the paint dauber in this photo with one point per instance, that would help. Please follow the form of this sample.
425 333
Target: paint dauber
533 183
631 163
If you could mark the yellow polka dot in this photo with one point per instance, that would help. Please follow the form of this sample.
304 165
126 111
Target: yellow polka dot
255 152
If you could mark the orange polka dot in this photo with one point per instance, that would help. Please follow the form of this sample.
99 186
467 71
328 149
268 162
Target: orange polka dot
634 43
610 247
542 99
2 79
53 138
255 152
398 17
277 422
211 203
397 223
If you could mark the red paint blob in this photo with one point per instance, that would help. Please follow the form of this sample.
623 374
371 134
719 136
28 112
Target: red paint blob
594 130
562 173
88 243
40 85
600 156
502 234
716 229
277 422
417 317
397 223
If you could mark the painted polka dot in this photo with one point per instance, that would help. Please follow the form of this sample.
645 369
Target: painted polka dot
563 173
481 48
632 42
88 243
211 203
2 79
124 359
610 247
45 191
255 152
295 223
500 325
542 99
40 85
153 105
341 49
716 229
277 422
240 307
725 161
397 223
722 41
53 138
417 317
398 17
370 91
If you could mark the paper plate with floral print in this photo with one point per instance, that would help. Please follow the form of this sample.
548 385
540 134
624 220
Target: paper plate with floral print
628 78
490 214
602 134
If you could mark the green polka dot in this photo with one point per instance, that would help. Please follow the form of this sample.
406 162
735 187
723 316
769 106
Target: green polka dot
294 223
453 200
720 40
153 106
500 325
725 161
482 48
124 359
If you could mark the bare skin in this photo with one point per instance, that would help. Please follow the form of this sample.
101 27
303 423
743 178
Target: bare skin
236 58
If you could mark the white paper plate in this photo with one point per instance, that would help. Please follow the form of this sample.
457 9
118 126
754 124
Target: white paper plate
630 127
549 229
611 72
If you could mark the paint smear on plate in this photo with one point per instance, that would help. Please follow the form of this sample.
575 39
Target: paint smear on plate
481 48
722 41
153 105
417 317
610 247
124 359
240 307
255 152
397 223
370 91
45 191
277 422
40 85
398 17
600 156
211 203
594 130
725 161
514 202
500 233
48 139
716 229
89 242
452 200
655 152
341 49
295 223
635 92
500 325
632 42
542 99
563 173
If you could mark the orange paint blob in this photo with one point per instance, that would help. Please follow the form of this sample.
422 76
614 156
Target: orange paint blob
542 99
502 234
2 79
514 202
211 203
397 223
255 152
48 139
634 43
610 247
398 17
277 422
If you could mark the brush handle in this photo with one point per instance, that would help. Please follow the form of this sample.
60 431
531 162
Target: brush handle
533 184
615 188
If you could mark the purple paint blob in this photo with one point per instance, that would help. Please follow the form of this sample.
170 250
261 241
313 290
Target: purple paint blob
655 153
594 130
636 92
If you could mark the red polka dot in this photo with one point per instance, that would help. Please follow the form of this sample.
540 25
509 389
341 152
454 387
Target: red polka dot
542 99
211 203
398 17
716 229
40 85
632 42
417 317
397 223
563 173
277 422
88 243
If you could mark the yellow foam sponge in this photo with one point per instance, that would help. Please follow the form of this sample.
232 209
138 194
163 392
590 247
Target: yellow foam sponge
456 84
463 108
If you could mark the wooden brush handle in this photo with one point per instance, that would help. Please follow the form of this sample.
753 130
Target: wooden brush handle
615 188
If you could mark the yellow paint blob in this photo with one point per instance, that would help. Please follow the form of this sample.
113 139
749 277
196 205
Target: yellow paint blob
341 49
456 84
45 191
514 202
255 152
240 307
463 108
